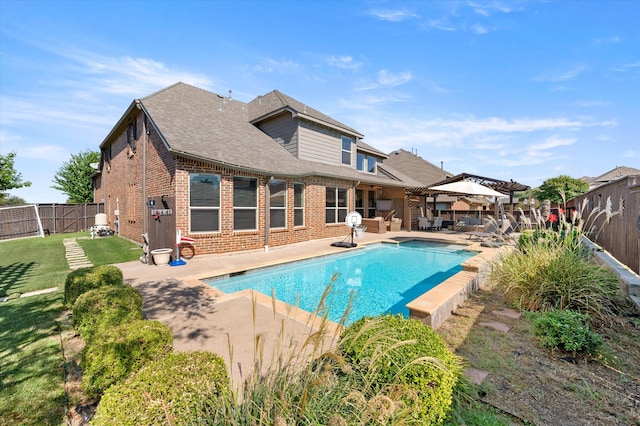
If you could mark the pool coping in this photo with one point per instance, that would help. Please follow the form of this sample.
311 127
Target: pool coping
431 308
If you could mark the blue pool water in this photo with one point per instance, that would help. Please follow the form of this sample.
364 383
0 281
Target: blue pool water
382 277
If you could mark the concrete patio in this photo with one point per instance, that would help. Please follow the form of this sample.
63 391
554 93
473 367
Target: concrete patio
201 318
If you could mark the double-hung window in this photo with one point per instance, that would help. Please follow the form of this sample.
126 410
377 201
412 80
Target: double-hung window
366 163
346 150
298 204
277 204
204 202
336 204
245 203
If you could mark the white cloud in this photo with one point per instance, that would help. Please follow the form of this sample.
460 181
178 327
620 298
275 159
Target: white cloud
608 40
563 75
389 79
633 66
441 25
271 66
479 29
550 143
51 153
385 79
397 15
344 62
488 8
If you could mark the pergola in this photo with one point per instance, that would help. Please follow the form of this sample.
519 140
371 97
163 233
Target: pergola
508 188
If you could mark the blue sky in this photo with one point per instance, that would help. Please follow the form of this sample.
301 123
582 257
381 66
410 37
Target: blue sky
522 90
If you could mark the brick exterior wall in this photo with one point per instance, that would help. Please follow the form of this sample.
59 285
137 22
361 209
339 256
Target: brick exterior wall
121 187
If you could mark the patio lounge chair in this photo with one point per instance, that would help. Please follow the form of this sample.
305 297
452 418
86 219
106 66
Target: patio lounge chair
490 231
494 232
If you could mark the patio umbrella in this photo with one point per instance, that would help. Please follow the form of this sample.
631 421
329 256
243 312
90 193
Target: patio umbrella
467 187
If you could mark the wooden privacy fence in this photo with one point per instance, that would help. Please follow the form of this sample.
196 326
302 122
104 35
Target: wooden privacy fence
64 218
621 236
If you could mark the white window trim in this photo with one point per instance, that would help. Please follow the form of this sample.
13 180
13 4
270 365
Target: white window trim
254 208
337 208
286 188
342 150
205 208
295 208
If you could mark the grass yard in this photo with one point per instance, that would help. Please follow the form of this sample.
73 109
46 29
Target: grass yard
31 371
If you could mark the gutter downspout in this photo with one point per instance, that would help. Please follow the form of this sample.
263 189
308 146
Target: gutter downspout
267 206
145 210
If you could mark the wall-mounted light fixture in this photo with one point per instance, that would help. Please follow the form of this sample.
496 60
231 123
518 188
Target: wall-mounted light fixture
151 204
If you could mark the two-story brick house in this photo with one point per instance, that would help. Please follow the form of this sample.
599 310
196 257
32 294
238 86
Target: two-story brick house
239 176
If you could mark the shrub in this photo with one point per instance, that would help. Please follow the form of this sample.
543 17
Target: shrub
85 279
566 330
406 353
115 352
172 390
106 306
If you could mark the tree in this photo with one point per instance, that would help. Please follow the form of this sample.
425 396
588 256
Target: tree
74 177
9 177
552 189
12 200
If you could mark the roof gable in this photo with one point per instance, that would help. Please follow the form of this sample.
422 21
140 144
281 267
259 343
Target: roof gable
276 102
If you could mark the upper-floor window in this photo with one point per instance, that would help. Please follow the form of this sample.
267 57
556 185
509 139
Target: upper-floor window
277 204
298 204
336 205
204 202
366 163
245 203
346 150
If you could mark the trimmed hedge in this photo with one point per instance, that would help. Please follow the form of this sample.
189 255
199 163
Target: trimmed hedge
172 390
116 352
106 306
85 279
403 352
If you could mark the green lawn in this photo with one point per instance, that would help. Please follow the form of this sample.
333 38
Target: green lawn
31 373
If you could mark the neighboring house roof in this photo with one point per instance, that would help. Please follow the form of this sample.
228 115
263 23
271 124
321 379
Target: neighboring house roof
612 175
276 102
416 167
195 123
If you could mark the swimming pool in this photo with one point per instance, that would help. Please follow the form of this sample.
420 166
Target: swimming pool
383 278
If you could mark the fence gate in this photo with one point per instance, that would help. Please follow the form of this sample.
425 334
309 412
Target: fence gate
162 222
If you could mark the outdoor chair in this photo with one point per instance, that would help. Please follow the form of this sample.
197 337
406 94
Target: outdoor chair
424 222
437 224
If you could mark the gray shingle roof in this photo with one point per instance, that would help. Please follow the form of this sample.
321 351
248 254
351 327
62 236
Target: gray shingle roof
201 124
416 167
615 174
276 101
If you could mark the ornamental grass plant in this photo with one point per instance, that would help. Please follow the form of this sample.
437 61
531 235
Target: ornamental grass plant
326 380
551 270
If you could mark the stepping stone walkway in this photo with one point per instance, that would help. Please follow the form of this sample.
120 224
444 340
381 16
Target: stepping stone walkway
499 326
474 375
75 255
477 376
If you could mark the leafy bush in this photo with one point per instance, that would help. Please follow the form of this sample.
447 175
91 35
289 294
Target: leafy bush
106 306
172 390
115 352
566 330
85 279
396 352
546 277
